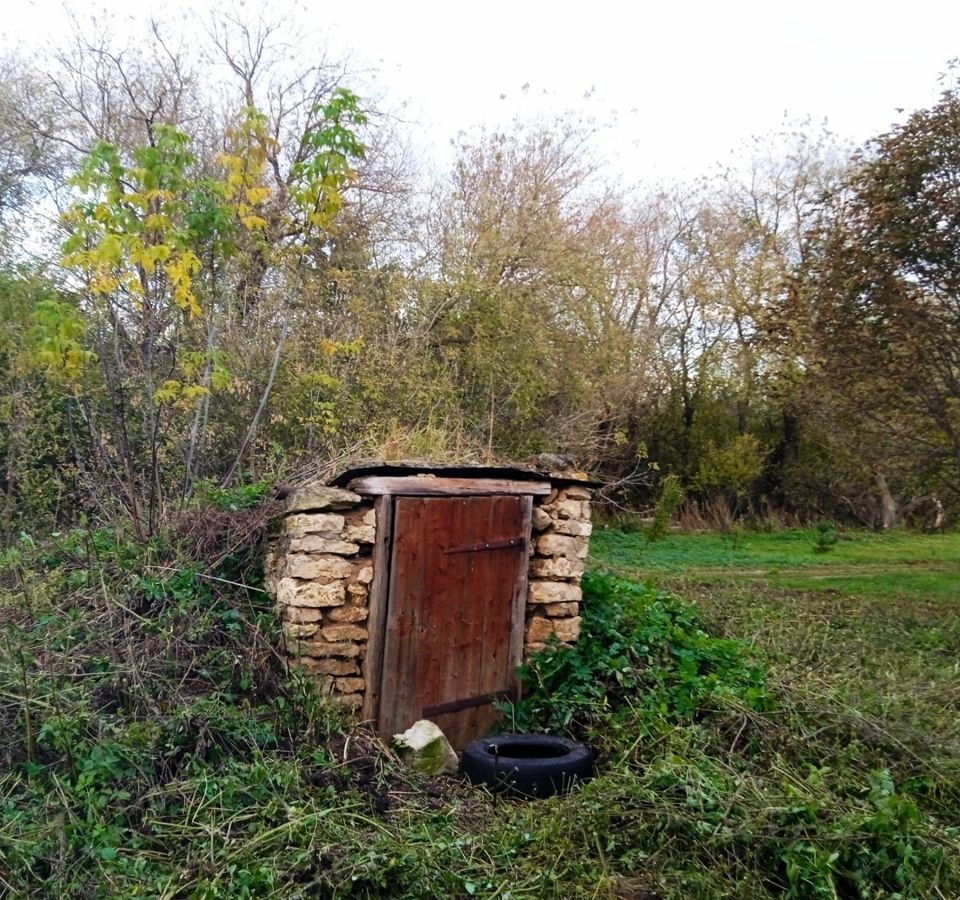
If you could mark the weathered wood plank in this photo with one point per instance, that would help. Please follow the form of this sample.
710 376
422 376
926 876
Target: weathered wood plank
498 675
448 518
451 625
399 695
518 613
473 599
427 486
377 608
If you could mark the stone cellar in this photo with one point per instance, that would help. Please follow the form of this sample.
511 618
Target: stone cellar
414 591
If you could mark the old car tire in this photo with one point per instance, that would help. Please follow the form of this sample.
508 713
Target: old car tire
530 765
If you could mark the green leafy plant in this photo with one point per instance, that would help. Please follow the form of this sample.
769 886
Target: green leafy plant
642 653
825 538
246 495
671 496
151 745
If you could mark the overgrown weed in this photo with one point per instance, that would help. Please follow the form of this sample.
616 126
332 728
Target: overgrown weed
735 784
153 746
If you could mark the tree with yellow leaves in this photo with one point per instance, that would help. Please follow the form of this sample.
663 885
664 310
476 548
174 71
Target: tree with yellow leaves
163 249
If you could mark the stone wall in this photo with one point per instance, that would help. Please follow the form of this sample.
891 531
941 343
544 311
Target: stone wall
559 545
320 567
319 570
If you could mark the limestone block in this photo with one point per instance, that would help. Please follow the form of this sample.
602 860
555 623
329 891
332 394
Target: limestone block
293 631
358 592
558 545
362 515
567 509
360 534
299 566
575 492
301 616
534 648
540 519
539 630
555 567
313 523
553 592
567 629
365 575
425 748
352 701
349 685
271 571
330 666
321 497
575 527
321 543
556 610
354 614
344 633
321 649
291 592
270 583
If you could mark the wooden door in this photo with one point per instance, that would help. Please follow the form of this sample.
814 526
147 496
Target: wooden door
455 608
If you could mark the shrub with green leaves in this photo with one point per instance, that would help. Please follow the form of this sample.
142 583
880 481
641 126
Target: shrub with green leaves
144 698
642 654
671 496
825 538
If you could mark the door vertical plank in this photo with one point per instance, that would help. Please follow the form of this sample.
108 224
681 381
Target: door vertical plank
518 615
453 634
400 664
495 636
484 601
377 609
473 593
444 518
415 653
390 676
447 627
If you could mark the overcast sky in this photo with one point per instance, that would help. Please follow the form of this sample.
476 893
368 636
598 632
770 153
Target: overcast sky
677 86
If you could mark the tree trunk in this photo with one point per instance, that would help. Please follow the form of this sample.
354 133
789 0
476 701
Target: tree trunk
888 506
254 424
200 414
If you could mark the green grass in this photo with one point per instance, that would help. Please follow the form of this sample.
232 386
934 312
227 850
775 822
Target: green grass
868 631
764 740
860 563
878 616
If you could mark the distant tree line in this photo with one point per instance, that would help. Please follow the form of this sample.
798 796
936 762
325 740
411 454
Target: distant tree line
219 264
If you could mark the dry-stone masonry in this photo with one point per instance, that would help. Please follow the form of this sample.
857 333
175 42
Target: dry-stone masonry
320 567
558 547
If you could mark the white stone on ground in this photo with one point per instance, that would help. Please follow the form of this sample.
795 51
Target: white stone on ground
425 748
